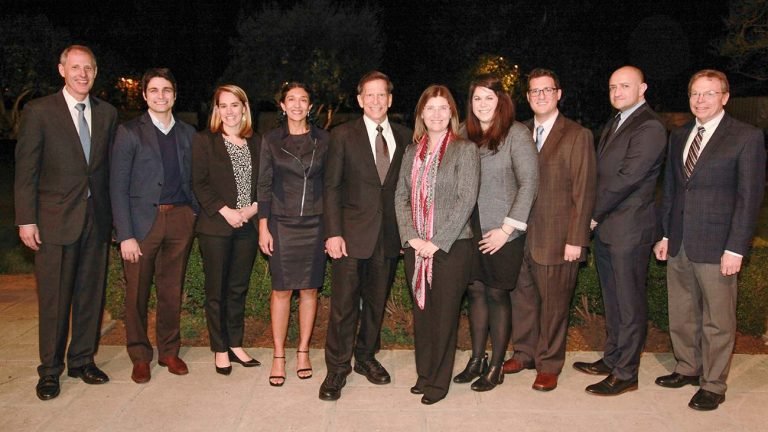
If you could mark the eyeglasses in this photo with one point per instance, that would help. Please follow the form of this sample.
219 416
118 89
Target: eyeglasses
707 95
547 91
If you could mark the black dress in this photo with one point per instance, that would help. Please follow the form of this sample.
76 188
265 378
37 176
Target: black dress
298 256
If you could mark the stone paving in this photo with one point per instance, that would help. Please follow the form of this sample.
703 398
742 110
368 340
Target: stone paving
244 401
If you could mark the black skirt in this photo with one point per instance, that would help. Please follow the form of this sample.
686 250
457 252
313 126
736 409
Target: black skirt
501 269
298 256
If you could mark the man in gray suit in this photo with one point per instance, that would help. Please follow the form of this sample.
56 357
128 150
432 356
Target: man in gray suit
629 160
63 213
713 186
154 214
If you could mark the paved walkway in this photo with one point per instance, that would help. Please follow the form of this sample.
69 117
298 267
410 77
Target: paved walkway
243 401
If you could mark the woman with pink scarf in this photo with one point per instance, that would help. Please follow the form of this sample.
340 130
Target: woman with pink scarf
435 196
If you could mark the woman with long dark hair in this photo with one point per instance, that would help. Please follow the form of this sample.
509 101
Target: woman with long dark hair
508 185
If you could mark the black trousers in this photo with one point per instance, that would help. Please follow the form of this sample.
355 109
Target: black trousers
622 270
354 279
71 280
435 327
227 263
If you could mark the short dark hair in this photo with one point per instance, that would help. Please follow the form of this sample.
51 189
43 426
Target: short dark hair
157 73
541 72
372 76
290 85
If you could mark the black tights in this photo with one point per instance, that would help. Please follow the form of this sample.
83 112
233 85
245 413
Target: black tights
490 311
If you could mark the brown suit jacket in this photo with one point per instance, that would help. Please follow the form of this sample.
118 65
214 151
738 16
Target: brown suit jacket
566 196
52 176
213 180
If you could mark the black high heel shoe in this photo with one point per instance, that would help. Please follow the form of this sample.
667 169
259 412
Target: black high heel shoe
226 370
489 380
234 358
475 367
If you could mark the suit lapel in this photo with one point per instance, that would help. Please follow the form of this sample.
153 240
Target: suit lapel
401 142
69 125
719 138
553 139
220 150
364 147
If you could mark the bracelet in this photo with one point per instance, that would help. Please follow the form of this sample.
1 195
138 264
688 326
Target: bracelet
507 233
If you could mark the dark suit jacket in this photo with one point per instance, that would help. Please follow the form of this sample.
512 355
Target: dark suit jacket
628 164
566 196
213 180
717 208
137 175
52 176
356 205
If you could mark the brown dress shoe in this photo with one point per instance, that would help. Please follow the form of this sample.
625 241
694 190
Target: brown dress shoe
141 373
514 365
174 364
545 381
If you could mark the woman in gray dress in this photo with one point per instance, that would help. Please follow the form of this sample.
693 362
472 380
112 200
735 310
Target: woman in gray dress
290 199
508 185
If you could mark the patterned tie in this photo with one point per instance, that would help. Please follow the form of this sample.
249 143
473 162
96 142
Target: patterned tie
539 134
693 152
382 155
85 134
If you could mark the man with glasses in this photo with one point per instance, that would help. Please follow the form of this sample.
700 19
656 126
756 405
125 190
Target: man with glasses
629 158
713 186
558 233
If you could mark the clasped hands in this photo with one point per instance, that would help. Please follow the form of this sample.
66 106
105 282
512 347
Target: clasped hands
236 218
423 248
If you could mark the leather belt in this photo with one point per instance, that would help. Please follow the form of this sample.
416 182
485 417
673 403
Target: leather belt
166 207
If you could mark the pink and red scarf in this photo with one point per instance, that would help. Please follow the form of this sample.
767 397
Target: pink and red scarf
423 179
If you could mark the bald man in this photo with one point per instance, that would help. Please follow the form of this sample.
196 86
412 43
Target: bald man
629 159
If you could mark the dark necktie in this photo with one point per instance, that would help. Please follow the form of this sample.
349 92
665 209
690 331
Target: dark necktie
614 126
539 135
693 152
382 155
82 129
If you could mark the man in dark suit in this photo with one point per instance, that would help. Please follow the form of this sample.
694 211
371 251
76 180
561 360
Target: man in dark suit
63 213
558 233
154 216
364 159
629 159
713 187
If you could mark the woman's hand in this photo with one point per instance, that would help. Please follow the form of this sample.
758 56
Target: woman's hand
493 240
233 217
250 211
416 244
427 250
265 238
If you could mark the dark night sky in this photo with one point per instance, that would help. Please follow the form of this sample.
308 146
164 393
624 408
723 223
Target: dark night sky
592 38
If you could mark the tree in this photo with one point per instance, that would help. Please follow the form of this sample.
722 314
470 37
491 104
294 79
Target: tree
326 45
29 50
746 43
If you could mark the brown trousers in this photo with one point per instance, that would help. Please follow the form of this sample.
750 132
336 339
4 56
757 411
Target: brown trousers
165 251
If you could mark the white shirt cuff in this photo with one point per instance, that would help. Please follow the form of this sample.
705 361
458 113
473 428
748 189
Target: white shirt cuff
520 226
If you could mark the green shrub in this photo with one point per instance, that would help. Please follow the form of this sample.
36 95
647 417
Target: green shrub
752 301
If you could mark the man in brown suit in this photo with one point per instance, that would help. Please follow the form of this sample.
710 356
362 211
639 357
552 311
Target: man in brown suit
63 213
558 232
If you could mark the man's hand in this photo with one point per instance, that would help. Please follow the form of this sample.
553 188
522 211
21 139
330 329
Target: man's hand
336 247
30 236
571 253
730 264
660 249
130 250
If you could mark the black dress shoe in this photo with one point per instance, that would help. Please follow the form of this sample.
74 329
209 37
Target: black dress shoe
476 366
235 359
89 373
426 400
330 389
373 370
416 390
489 380
596 368
676 380
47 387
612 386
705 400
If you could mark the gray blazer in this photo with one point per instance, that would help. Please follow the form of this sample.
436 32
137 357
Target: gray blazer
458 179
509 180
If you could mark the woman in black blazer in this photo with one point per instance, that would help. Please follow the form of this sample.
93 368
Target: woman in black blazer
224 173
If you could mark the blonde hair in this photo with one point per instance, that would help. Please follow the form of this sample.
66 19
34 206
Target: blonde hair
246 126
435 90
